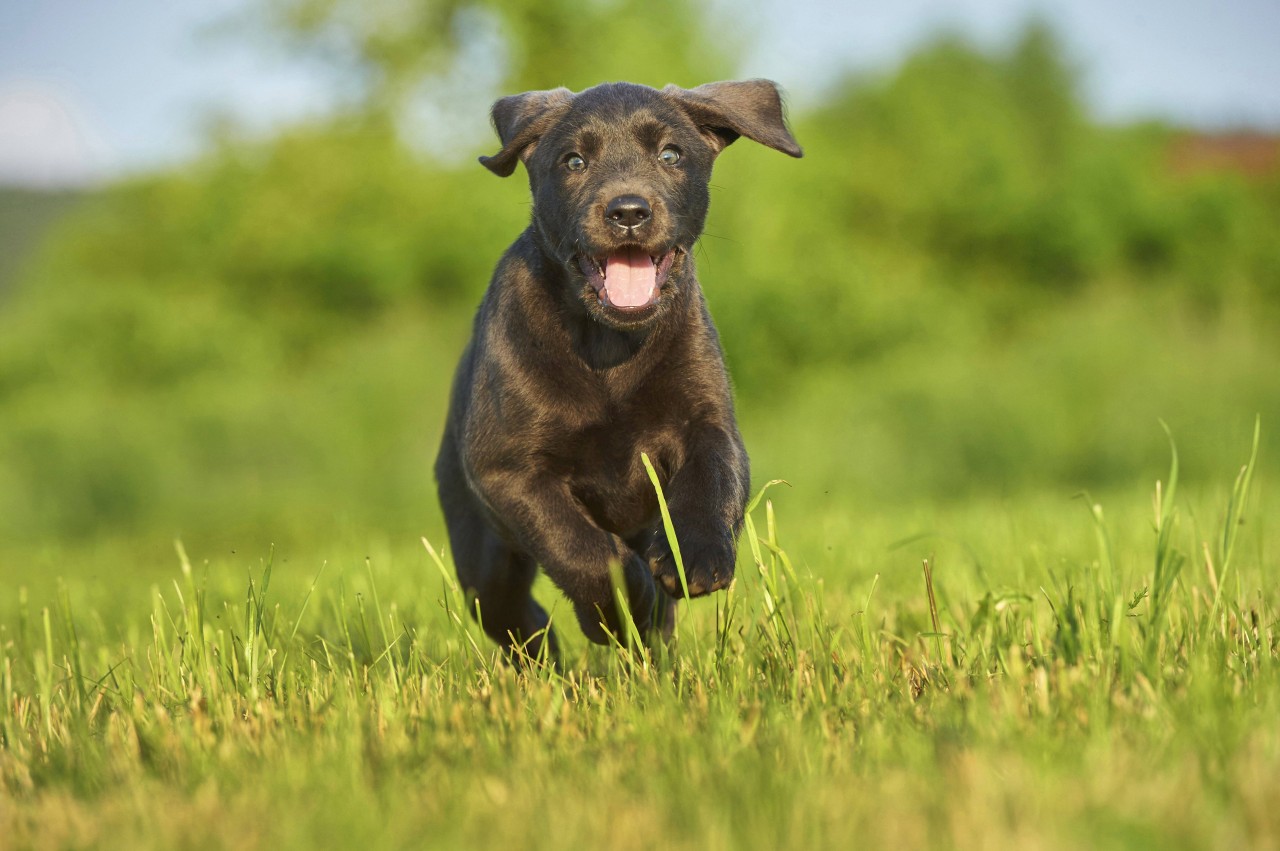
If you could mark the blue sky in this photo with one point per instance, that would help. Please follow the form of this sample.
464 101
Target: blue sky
90 89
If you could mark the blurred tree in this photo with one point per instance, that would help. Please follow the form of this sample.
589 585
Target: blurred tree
1042 85
276 320
395 46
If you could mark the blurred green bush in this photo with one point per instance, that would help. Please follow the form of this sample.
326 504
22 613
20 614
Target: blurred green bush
967 284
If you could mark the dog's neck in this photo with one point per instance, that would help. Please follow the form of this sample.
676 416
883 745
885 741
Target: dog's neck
601 347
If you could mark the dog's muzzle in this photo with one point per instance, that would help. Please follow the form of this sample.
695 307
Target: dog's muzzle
629 278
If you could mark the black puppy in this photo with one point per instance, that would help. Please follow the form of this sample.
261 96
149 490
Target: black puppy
593 344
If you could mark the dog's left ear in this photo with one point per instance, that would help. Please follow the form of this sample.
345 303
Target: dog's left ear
520 121
725 111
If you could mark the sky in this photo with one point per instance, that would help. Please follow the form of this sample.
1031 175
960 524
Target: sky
91 89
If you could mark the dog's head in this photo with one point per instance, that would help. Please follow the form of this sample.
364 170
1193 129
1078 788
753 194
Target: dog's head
619 177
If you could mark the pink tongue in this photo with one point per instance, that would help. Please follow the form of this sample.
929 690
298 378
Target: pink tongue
629 278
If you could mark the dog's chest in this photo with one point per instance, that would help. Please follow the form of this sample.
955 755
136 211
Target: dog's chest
606 473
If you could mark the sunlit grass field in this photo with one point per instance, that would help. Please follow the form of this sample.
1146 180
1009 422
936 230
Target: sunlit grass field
1046 671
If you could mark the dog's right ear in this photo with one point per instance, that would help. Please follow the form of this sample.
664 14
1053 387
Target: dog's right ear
520 121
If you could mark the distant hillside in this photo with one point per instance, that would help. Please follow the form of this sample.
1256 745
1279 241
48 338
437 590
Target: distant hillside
25 216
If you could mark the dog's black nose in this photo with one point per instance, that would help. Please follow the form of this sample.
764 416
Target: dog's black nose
628 211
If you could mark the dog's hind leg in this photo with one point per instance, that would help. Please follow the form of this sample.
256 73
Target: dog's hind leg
496 578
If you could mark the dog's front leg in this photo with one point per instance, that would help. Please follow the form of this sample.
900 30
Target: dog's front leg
707 497
548 522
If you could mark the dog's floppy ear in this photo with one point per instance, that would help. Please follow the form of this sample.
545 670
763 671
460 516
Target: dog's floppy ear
520 120
725 111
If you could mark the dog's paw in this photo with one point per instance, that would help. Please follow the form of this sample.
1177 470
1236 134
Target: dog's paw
600 621
708 564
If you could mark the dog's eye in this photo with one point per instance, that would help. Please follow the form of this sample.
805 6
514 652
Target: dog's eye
574 162
670 155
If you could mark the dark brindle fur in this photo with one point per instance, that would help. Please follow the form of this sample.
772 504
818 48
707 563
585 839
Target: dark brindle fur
576 365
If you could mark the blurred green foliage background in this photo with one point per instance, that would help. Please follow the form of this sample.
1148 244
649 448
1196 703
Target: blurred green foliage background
968 287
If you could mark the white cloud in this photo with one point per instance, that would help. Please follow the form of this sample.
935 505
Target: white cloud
46 139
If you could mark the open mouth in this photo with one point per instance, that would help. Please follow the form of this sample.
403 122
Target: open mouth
629 279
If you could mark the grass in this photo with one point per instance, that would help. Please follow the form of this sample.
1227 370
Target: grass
1026 674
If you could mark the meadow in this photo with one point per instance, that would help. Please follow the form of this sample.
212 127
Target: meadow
1049 673
1007 376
